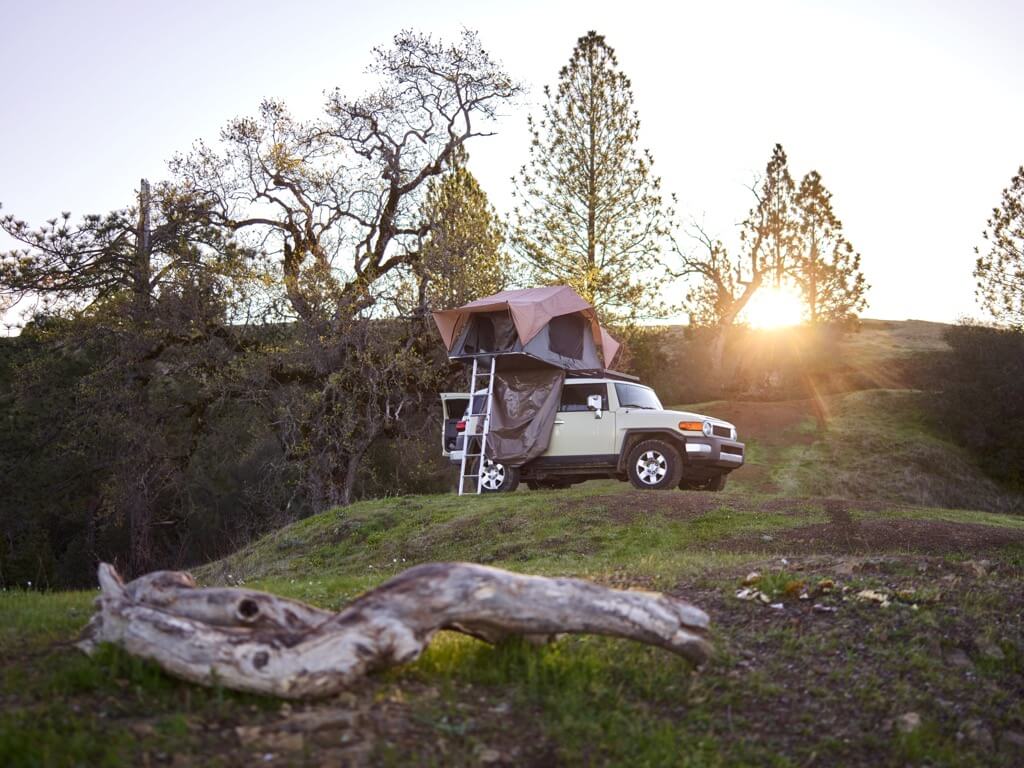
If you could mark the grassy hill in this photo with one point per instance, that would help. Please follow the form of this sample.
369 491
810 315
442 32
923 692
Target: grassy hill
889 632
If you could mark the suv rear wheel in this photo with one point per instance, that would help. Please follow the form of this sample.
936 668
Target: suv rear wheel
497 478
654 465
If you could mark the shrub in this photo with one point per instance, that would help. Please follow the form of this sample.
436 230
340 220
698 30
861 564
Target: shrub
981 402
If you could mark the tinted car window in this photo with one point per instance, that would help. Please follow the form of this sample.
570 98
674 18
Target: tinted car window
574 396
633 396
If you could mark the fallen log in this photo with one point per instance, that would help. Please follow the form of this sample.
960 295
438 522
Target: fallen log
254 641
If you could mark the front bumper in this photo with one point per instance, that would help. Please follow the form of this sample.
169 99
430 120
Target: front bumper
715 452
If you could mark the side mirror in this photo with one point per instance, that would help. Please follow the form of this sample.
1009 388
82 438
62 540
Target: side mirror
594 404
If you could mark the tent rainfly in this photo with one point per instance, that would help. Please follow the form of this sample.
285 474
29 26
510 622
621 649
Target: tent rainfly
536 335
551 324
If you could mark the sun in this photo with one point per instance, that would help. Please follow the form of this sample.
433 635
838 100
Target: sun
774 307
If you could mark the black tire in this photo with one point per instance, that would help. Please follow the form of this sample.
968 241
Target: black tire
498 478
654 465
716 483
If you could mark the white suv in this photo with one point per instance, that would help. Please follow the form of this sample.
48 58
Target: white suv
607 427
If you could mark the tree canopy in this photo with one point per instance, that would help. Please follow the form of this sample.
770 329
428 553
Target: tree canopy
999 270
589 210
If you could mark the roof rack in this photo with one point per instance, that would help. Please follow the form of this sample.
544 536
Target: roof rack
605 373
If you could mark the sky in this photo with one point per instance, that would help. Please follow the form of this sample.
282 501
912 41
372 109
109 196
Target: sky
913 112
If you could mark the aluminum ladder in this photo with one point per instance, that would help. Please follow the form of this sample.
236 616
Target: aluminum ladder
478 426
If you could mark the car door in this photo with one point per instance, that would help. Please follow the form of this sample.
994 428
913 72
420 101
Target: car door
578 432
453 405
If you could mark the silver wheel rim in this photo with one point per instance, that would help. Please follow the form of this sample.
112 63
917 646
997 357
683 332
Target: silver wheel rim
651 467
493 475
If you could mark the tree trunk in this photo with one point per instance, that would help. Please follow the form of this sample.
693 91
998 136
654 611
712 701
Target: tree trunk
254 641
139 512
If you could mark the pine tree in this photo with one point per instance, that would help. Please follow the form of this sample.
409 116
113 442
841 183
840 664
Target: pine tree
590 213
1000 272
463 257
826 268
769 232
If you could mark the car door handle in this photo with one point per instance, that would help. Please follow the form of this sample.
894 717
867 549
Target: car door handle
559 421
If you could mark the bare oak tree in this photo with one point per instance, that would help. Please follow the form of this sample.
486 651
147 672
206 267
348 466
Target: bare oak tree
725 284
337 201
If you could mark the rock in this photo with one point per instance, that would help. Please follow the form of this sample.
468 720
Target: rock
908 722
247 734
142 729
319 720
254 735
873 596
752 578
819 608
958 658
1012 742
977 568
976 732
989 650
488 756
846 567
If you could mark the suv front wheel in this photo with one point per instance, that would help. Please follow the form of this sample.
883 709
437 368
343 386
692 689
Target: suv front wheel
497 478
654 465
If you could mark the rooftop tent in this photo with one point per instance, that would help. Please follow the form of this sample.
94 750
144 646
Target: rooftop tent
536 335
552 325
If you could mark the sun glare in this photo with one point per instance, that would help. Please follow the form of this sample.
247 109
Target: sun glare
774 308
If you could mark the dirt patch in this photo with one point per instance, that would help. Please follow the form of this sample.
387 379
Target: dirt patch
843 535
634 506
818 685
832 506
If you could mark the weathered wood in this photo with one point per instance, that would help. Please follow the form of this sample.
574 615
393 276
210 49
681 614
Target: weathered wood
254 641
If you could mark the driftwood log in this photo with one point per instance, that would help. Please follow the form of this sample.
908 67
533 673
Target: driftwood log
254 641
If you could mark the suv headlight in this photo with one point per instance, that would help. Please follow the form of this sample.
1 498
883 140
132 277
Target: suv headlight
706 429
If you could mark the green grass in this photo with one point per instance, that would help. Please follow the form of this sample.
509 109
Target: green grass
582 700
588 530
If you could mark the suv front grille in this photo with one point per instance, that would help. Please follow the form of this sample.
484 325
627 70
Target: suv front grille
721 431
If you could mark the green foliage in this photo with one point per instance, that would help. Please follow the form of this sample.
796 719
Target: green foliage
982 397
590 212
826 269
770 230
791 237
463 258
1000 272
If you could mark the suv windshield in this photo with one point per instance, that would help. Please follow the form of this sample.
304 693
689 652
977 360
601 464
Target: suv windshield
633 396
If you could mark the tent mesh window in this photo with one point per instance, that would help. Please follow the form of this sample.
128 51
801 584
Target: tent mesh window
565 335
481 335
490 332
